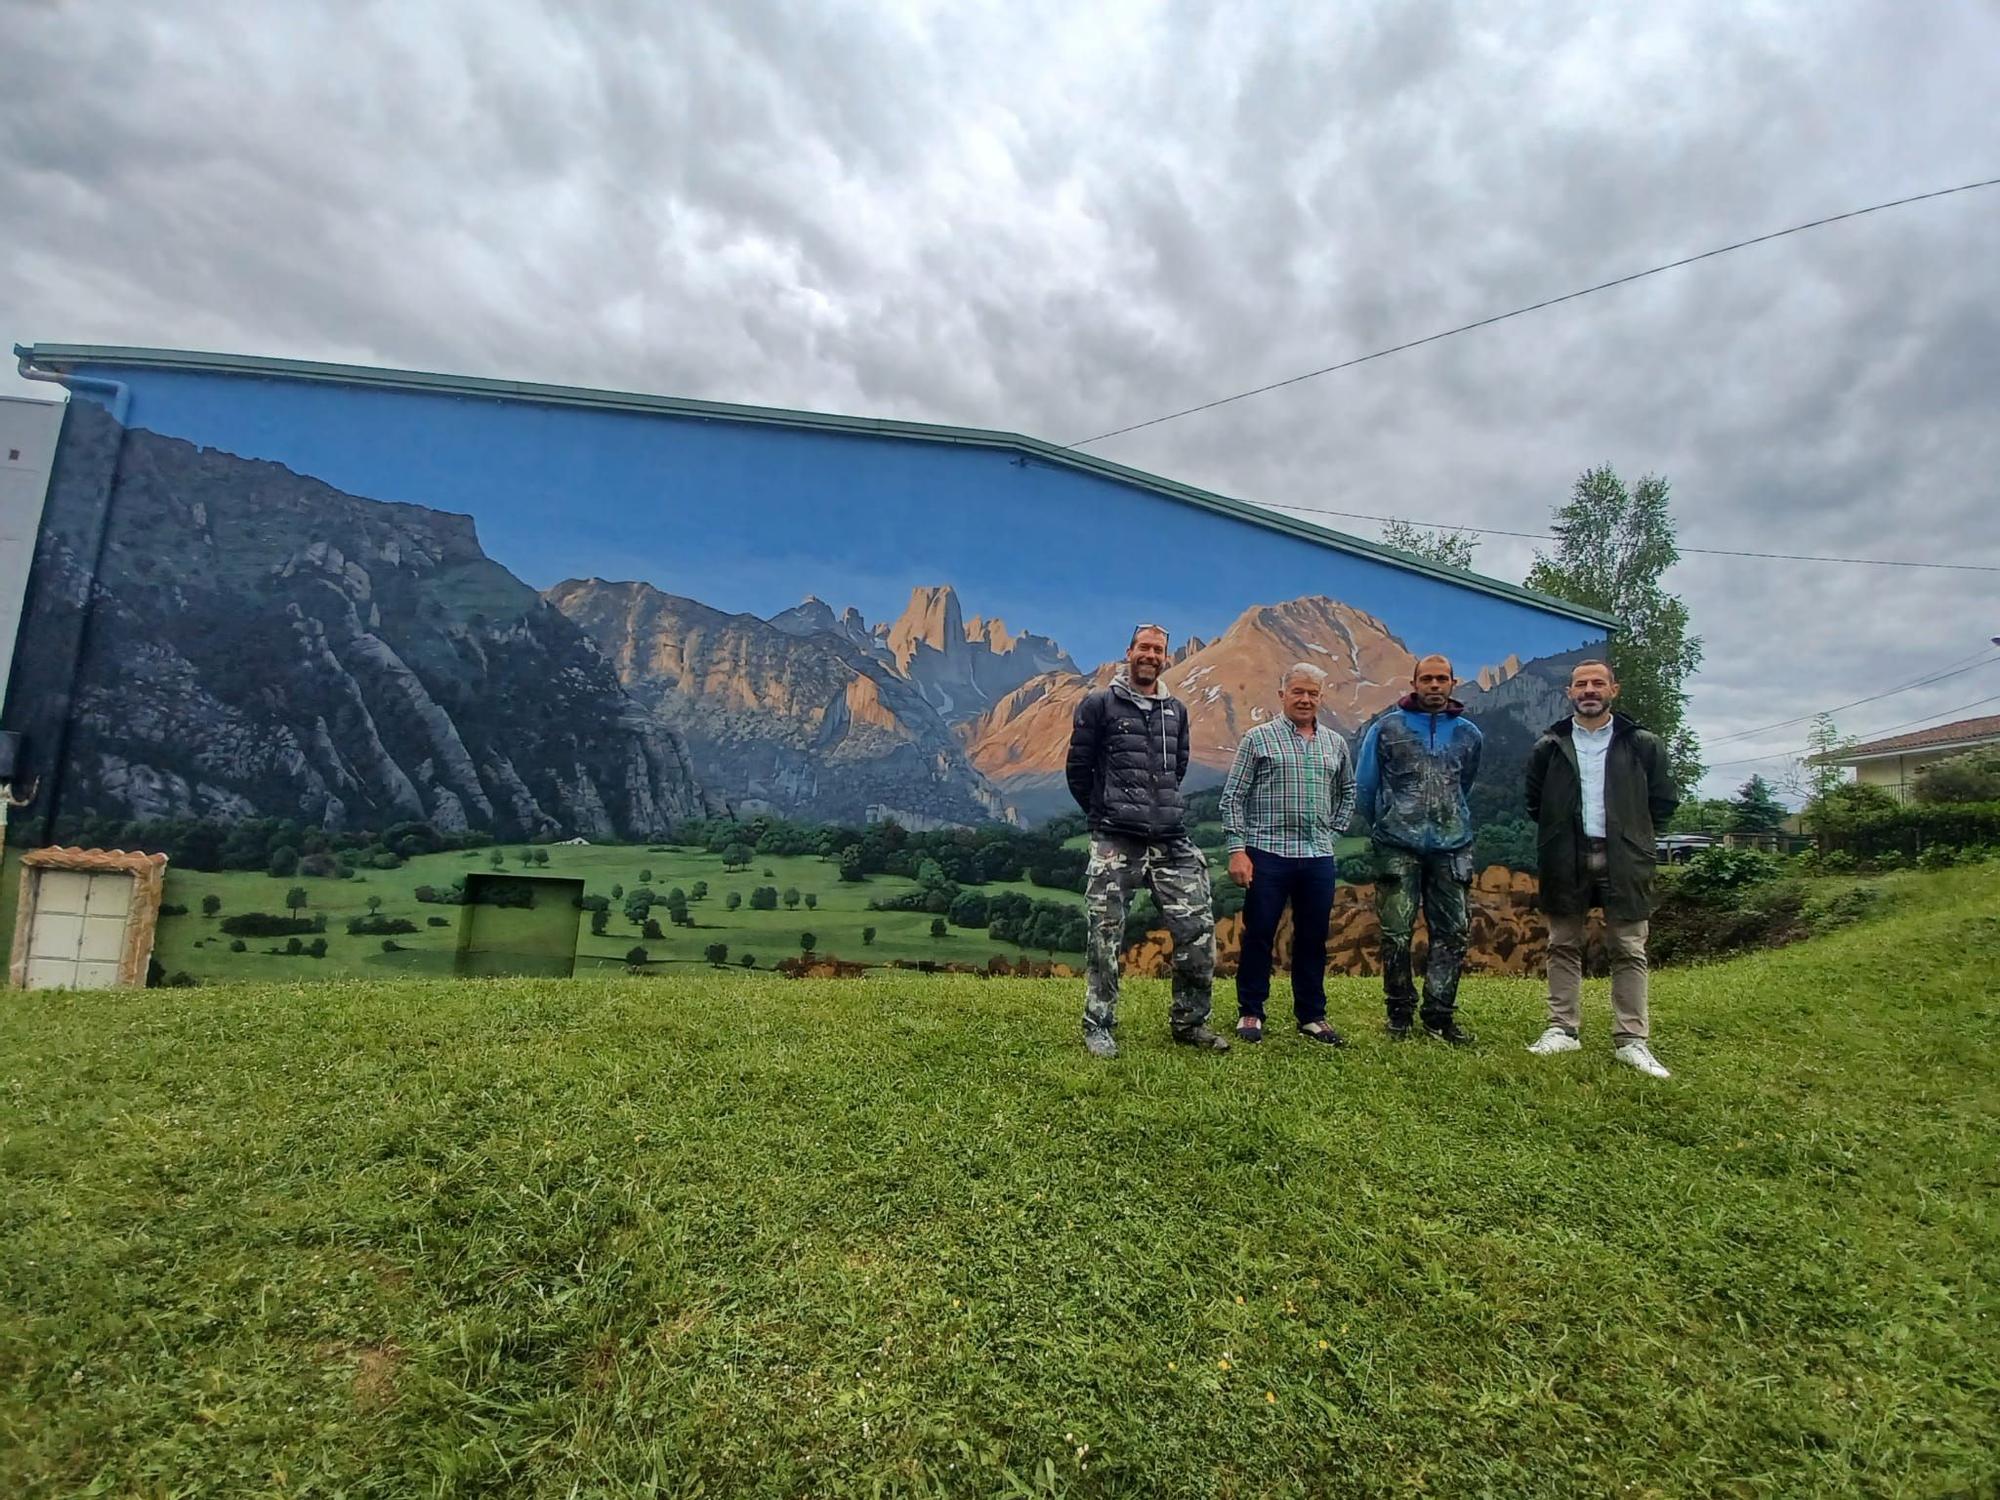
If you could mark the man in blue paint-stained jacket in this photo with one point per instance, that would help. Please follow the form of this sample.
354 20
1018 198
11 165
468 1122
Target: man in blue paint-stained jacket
1285 804
1128 753
1417 764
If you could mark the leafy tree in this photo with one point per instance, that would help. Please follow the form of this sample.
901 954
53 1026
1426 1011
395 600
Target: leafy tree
210 905
812 901
645 877
1815 776
733 900
867 937
937 927
374 905
293 947
1846 804
617 893
736 856
237 945
716 953
295 898
808 941
598 921
284 862
527 857
748 960
1756 808
698 891
1612 549
653 931
541 857
1973 776
1452 548
497 860
316 948
637 956
764 898
850 864
791 897
1709 815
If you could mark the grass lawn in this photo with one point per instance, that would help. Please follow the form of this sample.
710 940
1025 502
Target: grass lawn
692 1236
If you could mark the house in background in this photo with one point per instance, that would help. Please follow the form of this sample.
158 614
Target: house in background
1893 763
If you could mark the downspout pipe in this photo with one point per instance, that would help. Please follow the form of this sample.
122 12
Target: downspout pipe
120 403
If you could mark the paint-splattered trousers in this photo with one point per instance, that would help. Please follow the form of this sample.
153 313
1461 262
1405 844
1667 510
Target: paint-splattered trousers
1177 874
1404 882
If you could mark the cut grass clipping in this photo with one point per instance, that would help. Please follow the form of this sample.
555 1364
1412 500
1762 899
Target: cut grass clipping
769 1238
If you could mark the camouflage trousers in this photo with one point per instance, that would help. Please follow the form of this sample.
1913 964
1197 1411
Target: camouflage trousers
1404 882
1177 873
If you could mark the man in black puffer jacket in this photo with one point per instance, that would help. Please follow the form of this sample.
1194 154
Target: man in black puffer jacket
1128 751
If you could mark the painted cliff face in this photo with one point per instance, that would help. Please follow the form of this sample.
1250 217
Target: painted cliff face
357 609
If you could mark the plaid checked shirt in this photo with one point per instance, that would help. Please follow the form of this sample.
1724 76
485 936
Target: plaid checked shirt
1287 794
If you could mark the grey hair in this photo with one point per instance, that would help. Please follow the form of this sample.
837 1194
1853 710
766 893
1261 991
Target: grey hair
1302 669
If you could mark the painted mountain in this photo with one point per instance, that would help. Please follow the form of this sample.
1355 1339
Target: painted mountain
259 643
800 713
1229 685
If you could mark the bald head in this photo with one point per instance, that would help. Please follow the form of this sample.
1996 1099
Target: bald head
1432 682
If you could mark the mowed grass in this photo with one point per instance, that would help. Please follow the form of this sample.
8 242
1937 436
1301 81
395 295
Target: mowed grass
685 1236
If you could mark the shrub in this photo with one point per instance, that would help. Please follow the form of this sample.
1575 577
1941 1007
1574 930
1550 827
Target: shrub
375 925
1937 857
390 945
437 921
172 909
264 924
316 948
237 945
635 956
1717 873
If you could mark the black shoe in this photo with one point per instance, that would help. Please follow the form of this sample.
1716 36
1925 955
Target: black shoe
1399 1031
1449 1032
1326 1036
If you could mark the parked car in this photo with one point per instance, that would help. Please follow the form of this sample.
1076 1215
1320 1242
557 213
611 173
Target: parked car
1679 848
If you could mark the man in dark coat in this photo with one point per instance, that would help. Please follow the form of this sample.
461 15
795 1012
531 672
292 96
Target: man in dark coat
1598 787
1128 751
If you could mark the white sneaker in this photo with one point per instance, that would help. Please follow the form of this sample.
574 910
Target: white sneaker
1554 1040
1639 1055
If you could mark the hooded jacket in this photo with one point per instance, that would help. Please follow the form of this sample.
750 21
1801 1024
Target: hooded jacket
1127 755
1639 797
1415 770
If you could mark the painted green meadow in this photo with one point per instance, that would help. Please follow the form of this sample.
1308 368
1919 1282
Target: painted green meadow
745 1236
195 944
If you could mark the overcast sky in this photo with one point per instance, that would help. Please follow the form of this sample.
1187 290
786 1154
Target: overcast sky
1058 219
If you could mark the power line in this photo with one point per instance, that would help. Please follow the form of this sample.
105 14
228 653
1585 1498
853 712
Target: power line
1872 734
1543 536
1953 669
1602 286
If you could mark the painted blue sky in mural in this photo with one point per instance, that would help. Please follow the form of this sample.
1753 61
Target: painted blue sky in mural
751 518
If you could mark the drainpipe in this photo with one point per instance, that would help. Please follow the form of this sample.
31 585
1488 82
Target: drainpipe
121 408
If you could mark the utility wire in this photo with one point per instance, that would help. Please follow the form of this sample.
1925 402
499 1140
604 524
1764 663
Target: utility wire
1955 669
1542 536
1872 734
1602 286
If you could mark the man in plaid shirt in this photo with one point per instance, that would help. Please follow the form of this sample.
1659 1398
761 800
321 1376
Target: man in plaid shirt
1287 800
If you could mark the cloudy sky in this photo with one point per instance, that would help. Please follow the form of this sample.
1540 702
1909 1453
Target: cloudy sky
1028 217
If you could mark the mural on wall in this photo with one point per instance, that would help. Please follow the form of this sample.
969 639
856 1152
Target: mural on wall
359 616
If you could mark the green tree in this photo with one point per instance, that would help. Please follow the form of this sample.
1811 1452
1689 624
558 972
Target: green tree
748 960
645 877
812 901
733 900
497 860
210 905
541 857
1709 815
653 932
637 956
374 905
1973 776
850 864
1815 776
1612 549
284 862
937 927
1848 803
867 937
791 897
698 891
527 857
316 948
618 893
295 898
1756 808
764 898
736 856
716 953
598 921
1452 548
808 941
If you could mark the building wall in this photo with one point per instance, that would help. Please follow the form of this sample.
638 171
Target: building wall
275 611
27 449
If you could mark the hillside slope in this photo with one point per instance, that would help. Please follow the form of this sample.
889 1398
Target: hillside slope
831 1239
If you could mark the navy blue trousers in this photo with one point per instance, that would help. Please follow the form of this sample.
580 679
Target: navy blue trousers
1307 885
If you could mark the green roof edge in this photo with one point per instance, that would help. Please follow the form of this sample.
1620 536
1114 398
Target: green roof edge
53 358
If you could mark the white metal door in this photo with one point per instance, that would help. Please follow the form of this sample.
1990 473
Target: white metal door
79 929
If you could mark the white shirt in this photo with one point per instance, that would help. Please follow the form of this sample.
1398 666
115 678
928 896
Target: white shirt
1592 745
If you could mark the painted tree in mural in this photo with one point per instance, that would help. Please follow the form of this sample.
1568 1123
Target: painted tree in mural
1613 546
